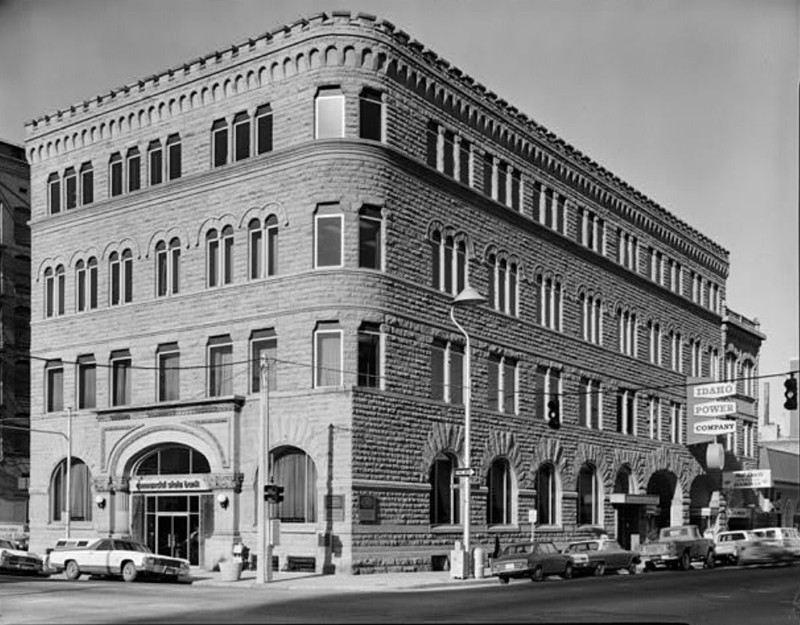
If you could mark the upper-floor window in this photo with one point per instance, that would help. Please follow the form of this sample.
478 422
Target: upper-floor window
263 122
500 493
87 382
327 354
627 250
220 366
549 208
155 162
86 284
174 157
329 113
749 378
121 377
655 418
695 358
628 332
447 372
369 355
370 239
54 386
70 188
133 163
590 309
121 270
263 343
502 182
54 291
370 115
241 137
168 258
654 342
503 285
449 263
626 411
169 366
590 404
328 236
502 384
54 193
550 302
87 183
450 153
592 230
675 422
219 254
219 142
115 174
547 387
263 247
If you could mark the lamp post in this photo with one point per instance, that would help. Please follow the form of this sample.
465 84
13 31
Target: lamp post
468 297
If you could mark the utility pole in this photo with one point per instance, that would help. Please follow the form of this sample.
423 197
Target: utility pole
264 550
68 507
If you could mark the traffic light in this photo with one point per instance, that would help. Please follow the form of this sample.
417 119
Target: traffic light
273 493
278 494
790 384
554 414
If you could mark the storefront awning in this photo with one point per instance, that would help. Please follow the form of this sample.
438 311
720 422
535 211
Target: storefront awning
628 499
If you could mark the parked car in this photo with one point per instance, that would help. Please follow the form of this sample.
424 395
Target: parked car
765 551
16 560
113 557
678 546
729 546
604 555
533 559
789 537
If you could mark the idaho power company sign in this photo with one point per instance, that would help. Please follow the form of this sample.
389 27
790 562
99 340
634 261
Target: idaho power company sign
704 409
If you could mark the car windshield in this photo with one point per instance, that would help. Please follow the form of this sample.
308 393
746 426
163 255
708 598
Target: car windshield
5 544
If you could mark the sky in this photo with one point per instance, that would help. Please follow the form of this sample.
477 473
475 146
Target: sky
694 104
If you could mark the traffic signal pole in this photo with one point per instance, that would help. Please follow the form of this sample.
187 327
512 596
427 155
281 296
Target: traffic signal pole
264 551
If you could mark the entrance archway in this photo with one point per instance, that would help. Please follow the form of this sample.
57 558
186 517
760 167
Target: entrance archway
701 495
666 486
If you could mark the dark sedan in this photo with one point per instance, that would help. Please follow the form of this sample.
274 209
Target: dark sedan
605 555
535 560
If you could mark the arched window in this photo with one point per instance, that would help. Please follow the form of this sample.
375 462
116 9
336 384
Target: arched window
80 508
49 292
263 247
445 497
449 263
219 250
589 496
500 497
547 499
168 267
293 469
172 460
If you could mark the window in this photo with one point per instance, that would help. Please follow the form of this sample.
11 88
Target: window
121 269
263 247
120 378
220 366
547 387
54 291
86 284
219 254
501 181
547 495
296 472
115 174
695 358
87 184
590 511
264 129
327 355
550 299
552 210
592 231
133 165
499 499
503 285
449 263
173 157
329 107
590 406
241 137
155 159
655 418
329 236
369 238
445 493
654 342
628 332
54 193
370 114
675 422
749 375
54 386
70 188
219 143
169 362
171 460
627 250
502 384
168 267
87 382
263 343
591 318
80 505
369 355
626 411
447 372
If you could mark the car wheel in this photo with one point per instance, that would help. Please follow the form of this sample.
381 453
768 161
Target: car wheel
733 560
538 574
600 569
632 567
686 561
649 566
129 572
72 571
568 571
709 563
503 579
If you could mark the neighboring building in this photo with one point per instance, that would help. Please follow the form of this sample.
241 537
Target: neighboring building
782 459
15 301
319 195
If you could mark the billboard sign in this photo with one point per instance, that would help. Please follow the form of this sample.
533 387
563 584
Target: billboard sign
761 478
705 400
714 427
714 390
714 409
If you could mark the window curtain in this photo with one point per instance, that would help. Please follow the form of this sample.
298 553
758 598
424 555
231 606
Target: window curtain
328 358
296 473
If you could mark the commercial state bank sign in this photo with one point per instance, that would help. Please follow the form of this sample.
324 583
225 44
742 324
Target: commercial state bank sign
705 404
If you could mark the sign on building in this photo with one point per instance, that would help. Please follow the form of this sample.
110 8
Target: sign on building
703 404
714 427
761 478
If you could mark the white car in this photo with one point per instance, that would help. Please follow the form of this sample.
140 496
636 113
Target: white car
730 545
14 560
786 537
113 557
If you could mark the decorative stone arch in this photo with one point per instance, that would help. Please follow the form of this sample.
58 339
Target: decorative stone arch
504 445
121 245
300 63
594 455
262 212
53 261
332 56
314 60
167 235
304 435
550 450
218 223
634 462
443 437
83 254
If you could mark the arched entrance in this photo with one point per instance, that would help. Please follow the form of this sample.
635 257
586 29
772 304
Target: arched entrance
704 506
172 509
665 485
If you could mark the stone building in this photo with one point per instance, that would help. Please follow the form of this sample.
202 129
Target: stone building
318 195
15 301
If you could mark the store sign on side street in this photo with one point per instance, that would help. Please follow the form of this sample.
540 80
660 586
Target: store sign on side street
761 478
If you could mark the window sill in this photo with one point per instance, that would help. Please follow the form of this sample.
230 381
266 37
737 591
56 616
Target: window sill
550 528
502 527
446 529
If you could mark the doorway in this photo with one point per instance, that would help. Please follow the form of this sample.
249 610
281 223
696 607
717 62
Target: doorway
172 526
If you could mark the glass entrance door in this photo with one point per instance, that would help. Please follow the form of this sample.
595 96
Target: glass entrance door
172 531
173 526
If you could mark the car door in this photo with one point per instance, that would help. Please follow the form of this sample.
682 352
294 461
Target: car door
616 558
553 561
95 559
118 553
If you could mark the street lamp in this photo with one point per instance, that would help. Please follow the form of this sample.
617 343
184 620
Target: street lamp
468 297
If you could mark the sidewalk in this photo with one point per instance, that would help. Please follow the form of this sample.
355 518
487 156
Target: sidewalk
315 582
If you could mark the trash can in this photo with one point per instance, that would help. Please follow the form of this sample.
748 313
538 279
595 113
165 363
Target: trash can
479 563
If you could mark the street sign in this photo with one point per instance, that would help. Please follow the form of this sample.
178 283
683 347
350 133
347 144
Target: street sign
464 472
715 390
738 513
714 427
714 409
761 478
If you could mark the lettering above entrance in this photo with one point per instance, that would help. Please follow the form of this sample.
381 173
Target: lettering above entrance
168 483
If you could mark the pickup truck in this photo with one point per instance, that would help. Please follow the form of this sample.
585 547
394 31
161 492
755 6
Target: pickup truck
678 547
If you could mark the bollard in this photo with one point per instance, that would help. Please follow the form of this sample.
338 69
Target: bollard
479 564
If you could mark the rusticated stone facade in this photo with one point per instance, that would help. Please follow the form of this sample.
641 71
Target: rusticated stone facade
369 450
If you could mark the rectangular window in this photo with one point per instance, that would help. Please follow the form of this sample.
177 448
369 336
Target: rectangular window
433 143
220 361
174 157
502 181
241 137
133 163
120 379
448 154
54 187
369 244
54 376
213 262
329 113
437 371
115 174
264 129
465 162
71 188
219 142
87 184
155 159
493 384
516 191
369 356
263 343
328 355
370 115
87 382
169 362
328 235
456 372
488 174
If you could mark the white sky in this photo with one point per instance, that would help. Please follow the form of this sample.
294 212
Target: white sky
695 104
